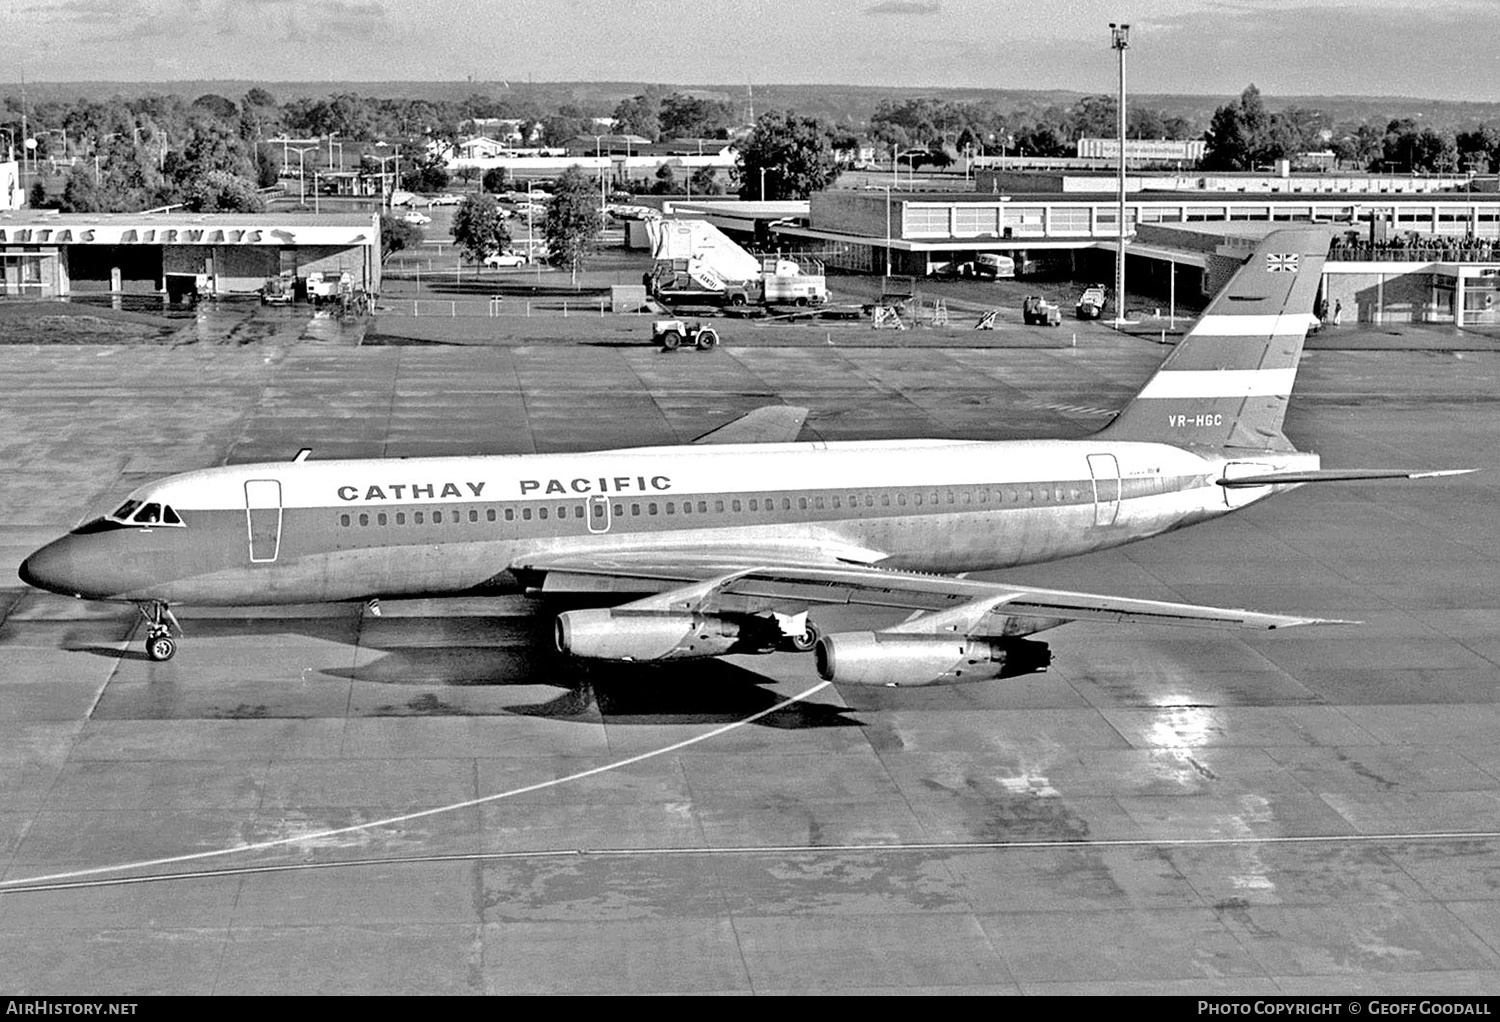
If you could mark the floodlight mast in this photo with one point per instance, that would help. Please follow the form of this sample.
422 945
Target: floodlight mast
1120 41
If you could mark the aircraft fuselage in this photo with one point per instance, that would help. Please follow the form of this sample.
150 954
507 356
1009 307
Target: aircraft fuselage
303 532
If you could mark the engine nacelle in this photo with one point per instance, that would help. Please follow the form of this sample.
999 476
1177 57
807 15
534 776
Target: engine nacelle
615 634
900 659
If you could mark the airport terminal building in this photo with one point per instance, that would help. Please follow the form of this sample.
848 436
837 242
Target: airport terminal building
45 254
1185 230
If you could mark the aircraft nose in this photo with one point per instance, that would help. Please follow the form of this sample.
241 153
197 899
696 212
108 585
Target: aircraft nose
51 568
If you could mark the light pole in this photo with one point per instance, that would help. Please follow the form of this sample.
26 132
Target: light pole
106 138
887 236
763 184
911 160
599 160
1120 41
395 174
301 152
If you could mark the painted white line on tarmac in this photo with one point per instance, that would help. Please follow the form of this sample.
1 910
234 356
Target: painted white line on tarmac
260 846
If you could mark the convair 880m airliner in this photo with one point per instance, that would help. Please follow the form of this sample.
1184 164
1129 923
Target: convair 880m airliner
726 545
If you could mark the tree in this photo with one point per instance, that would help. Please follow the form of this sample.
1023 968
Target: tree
429 175
1239 133
267 169
1361 146
639 115
478 227
1095 117
1409 149
571 225
793 155
705 181
396 234
666 181
216 106
495 179
219 191
127 180
684 116
1479 149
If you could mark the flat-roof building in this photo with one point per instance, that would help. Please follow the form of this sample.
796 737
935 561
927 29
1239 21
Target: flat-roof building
48 254
1071 232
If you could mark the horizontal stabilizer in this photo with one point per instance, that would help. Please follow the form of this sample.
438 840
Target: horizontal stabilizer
1337 475
770 424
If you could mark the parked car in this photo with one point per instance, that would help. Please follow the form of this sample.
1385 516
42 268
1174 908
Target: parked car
444 200
416 218
504 259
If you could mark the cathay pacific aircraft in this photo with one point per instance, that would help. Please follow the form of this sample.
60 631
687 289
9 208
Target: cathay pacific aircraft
723 546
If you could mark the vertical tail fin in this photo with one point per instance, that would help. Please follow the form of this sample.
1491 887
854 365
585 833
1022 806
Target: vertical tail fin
1227 382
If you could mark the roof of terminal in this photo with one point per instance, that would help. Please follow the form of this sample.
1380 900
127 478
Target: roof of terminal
180 219
1204 198
47 227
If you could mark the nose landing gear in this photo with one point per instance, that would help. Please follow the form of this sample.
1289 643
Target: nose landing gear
161 627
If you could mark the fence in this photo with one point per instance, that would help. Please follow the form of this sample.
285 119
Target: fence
496 306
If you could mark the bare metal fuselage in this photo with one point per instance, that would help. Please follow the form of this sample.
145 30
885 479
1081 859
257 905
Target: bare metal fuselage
347 530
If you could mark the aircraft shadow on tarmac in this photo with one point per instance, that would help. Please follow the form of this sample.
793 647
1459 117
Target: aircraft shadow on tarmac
496 653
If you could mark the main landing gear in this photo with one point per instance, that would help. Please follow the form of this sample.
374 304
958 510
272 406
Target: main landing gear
161 626
797 633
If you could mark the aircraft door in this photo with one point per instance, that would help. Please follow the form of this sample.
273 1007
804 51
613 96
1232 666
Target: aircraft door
263 519
1105 471
599 516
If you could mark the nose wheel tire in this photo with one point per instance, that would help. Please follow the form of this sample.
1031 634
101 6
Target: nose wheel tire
160 647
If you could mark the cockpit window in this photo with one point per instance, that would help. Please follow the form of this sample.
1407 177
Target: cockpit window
135 512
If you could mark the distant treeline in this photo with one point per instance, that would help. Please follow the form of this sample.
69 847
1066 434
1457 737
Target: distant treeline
133 150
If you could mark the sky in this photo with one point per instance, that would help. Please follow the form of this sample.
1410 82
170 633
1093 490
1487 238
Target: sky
1438 49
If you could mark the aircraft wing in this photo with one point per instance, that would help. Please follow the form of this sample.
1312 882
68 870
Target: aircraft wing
710 582
770 424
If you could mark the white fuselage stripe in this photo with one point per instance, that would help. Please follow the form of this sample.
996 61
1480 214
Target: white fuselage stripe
1191 383
1288 324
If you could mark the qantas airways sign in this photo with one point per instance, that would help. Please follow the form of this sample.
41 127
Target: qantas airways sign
528 487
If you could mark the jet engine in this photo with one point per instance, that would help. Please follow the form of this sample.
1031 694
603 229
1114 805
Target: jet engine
616 634
900 659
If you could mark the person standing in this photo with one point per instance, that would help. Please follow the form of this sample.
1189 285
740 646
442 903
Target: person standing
1338 312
